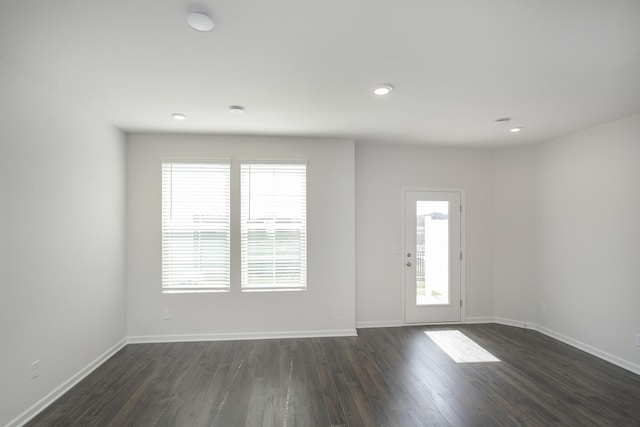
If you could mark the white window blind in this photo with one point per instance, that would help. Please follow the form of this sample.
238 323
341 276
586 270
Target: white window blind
273 226
195 226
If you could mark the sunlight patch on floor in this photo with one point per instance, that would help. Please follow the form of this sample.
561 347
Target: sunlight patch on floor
460 348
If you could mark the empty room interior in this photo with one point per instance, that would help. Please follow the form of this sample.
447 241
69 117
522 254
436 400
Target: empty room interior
309 213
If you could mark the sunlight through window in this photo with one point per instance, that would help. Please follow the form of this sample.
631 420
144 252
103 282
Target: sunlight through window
460 348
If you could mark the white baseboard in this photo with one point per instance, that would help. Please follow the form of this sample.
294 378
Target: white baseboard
379 324
241 336
591 350
572 342
516 323
475 320
40 405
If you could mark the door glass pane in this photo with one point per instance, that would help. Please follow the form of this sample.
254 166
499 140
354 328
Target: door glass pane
432 252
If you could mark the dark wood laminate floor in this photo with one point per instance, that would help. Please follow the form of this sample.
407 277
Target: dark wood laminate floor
383 377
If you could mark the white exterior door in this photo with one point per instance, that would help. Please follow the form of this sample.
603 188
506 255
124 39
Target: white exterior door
432 256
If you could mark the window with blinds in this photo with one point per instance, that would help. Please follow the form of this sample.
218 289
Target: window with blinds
195 226
273 226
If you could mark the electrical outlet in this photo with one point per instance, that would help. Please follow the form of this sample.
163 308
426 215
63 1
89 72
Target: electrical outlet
638 339
35 369
339 310
166 314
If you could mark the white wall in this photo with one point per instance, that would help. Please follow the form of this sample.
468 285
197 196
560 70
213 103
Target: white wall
61 240
381 173
514 217
552 238
330 222
588 214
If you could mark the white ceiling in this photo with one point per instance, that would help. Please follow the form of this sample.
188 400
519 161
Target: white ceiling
306 67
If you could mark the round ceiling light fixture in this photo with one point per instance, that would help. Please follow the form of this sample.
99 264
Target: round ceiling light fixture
382 89
516 129
178 116
236 109
200 22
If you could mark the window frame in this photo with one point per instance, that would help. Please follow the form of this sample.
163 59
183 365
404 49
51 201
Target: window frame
168 274
301 284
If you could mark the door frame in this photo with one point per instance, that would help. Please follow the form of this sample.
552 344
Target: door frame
463 233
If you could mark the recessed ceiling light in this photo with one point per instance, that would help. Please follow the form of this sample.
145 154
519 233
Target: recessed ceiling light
382 89
200 21
502 120
178 116
236 109
514 130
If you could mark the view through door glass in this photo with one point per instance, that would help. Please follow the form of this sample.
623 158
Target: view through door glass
432 252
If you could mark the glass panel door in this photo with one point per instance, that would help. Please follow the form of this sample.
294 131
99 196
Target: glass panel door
432 256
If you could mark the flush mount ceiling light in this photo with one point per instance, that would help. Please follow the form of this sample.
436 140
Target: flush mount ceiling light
200 21
236 109
515 130
382 89
178 116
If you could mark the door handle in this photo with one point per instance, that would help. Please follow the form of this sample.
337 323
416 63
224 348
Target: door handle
408 263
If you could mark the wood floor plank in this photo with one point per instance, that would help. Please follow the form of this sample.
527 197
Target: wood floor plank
326 380
384 377
265 407
189 397
357 410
